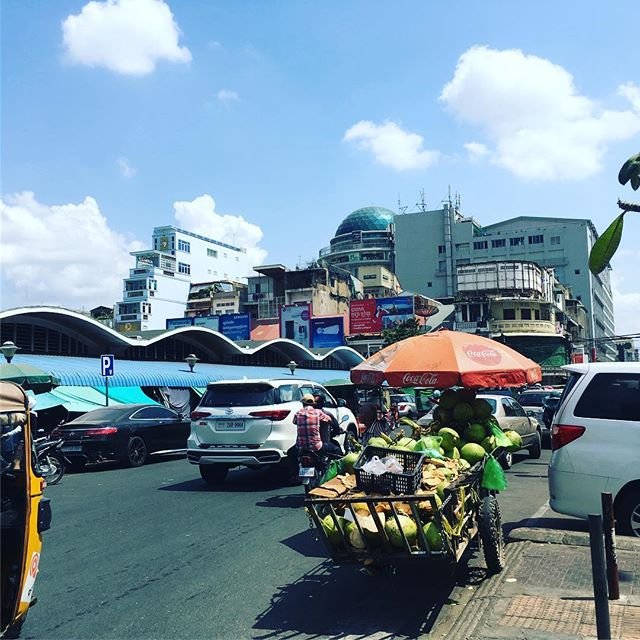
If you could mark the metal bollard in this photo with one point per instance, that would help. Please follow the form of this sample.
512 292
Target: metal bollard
603 624
609 529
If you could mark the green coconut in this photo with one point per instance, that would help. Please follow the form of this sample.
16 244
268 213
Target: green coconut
489 443
516 440
377 441
475 432
448 399
393 532
472 453
450 438
433 534
462 412
481 408
453 454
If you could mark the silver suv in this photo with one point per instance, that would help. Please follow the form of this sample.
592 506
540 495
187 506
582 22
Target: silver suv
250 423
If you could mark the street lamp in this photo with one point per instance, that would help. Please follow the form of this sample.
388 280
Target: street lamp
191 360
293 365
8 349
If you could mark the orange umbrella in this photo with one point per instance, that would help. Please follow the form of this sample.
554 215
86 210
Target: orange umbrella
447 359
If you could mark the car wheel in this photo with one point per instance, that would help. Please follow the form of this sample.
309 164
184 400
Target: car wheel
213 474
506 460
535 450
628 513
137 452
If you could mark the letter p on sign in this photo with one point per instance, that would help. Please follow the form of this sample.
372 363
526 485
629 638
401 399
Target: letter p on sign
106 365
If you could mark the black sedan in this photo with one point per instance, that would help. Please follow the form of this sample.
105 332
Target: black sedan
126 432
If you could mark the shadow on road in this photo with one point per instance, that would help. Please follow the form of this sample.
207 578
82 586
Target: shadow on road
341 601
290 501
240 480
566 524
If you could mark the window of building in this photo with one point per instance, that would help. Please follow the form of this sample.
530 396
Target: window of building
462 246
258 288
385 277
369 277
509 314
212 253
525 314
429 284
497 244
536 314
576 271
185 268
545 314
537 239
516 242
463 261
481 244
185 246
442 248
555 240
442 265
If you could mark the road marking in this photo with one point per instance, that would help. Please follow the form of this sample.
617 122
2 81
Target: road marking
538 514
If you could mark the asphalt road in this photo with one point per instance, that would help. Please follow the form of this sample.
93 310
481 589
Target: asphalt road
155 553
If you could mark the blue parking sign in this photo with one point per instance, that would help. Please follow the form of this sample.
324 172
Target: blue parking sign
106 365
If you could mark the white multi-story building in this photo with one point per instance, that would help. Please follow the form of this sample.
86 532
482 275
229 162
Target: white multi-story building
158 286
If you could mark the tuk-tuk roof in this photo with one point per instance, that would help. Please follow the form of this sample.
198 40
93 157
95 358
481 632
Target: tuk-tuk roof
12 397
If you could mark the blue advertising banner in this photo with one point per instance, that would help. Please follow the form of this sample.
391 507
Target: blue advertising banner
327 332
236 326
176 323
211 322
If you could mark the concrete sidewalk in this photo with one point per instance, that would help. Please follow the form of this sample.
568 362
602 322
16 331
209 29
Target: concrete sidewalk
546 591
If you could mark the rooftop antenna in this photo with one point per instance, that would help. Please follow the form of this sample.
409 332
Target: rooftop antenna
422 205
401 209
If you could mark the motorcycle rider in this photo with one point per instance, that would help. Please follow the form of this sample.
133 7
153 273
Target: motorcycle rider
309 420
331 429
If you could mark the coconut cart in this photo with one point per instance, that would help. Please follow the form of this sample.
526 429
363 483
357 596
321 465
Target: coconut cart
435 506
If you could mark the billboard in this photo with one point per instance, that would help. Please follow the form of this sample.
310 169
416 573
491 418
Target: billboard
235 326
176 323
327 332
295 322
211 322
375 314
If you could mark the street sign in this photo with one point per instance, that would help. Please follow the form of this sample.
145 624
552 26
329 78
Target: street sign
106 365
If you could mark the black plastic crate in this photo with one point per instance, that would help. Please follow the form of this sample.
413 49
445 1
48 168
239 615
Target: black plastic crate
406 482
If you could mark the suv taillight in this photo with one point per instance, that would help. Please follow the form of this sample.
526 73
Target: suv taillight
198 415
562 434
271 414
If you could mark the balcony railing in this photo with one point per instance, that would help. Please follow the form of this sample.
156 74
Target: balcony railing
523 326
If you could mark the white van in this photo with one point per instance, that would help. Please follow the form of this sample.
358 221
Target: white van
595 438
250 423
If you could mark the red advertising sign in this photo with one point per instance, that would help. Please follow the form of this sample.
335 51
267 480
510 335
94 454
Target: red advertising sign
363 317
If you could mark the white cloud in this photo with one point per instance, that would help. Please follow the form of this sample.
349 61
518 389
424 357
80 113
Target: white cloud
62 255
126 169
226 95
476 150
200 216
125 36
391 146
539 126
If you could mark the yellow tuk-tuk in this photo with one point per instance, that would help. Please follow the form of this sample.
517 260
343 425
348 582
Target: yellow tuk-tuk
25 513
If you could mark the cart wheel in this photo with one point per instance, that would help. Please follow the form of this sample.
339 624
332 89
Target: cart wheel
490 528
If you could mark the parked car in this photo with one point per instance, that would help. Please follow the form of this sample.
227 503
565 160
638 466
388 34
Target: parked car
511 416
405 403
126 432
549 406
532 400
250 423
595 441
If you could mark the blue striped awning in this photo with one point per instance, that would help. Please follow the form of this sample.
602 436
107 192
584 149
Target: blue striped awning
85 372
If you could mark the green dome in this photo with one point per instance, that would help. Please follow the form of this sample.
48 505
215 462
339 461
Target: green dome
366 219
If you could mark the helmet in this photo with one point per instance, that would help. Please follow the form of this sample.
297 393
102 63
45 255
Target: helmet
307 398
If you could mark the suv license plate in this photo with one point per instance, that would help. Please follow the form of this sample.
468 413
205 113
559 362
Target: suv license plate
70 448
229 425
307 472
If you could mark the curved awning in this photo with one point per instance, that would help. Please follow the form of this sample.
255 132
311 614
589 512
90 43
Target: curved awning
85 372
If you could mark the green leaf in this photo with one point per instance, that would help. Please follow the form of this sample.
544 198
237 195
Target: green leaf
630 169
635 179
606 246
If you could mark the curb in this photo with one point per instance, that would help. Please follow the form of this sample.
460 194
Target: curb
575 538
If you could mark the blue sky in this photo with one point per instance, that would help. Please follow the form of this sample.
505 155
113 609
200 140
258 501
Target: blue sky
271 121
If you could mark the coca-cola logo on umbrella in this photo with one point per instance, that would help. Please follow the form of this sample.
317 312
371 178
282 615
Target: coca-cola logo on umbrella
482 354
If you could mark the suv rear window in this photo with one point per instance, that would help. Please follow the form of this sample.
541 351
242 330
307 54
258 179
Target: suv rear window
532 399
611 396
238 395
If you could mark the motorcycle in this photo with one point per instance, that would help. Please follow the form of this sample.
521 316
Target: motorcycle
50 460
314 464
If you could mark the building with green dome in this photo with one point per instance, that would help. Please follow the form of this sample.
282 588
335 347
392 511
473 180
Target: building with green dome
364 245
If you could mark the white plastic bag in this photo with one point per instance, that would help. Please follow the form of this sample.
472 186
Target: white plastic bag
392 465
375 466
